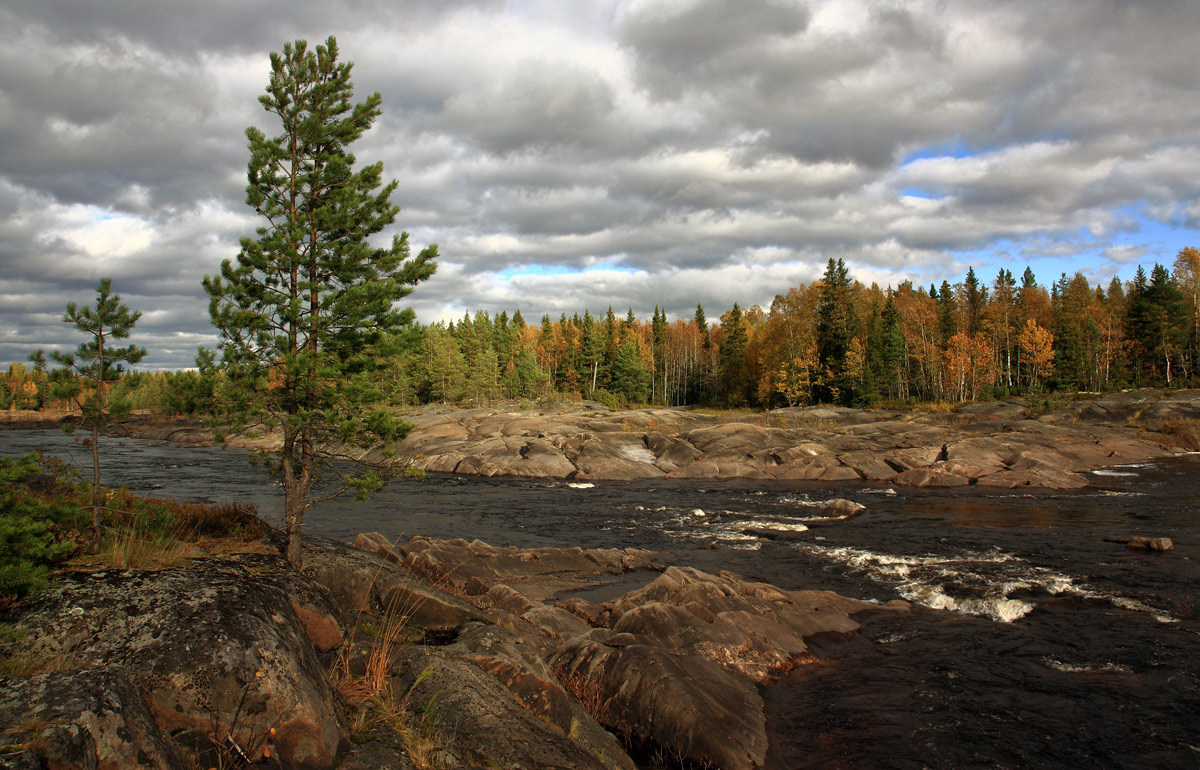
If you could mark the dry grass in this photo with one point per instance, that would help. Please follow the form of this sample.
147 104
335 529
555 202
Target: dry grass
365 682
32 729
1183 432
133 549
586 691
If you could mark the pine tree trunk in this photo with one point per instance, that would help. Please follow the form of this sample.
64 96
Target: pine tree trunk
95 487
293 496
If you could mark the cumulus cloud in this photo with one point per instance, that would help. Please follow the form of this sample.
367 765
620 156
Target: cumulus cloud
623 152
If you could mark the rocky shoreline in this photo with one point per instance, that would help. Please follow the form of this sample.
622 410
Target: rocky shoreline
999 444
432 654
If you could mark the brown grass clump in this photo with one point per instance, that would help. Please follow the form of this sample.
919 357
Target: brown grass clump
1183 432
364 680
586 691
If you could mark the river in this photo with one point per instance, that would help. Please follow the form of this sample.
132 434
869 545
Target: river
1035 643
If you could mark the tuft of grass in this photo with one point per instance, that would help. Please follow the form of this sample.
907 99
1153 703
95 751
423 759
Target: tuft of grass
134 549
586 691
364 680
32 729
1182 432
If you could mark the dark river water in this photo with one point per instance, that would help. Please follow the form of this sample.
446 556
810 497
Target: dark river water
1034 642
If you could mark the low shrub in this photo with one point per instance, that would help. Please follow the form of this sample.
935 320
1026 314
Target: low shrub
45 519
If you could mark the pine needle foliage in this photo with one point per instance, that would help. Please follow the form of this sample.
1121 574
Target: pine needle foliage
303 310
100 365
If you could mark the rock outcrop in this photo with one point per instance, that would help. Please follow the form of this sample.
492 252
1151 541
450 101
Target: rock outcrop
216 648
995 444
472 654
676 661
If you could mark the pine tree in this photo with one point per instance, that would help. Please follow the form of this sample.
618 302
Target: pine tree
101 365
976 299
629 376
732 357
836 326
302 309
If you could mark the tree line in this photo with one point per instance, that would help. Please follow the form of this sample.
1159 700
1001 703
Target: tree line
832 341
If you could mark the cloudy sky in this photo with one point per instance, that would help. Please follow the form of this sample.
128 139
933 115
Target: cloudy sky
570 155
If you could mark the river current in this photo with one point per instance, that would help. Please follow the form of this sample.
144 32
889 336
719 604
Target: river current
1034 641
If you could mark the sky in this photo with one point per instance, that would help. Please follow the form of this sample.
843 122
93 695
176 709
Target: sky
633 153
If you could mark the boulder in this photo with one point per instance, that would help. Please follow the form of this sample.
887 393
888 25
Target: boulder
480 721
841 508
82 719
1150 544
216 650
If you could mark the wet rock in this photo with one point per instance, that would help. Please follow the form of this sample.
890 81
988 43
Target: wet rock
840 508
537 573
684 656
690 705
1041 478
1150 544
930 477
82 720
505 655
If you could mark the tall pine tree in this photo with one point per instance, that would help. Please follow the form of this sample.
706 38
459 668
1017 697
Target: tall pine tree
302 309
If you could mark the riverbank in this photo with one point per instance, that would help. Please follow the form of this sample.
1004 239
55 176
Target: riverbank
1049 646
1000 445
435 654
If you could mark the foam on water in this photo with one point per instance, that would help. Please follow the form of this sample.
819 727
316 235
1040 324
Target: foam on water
782 527
1112 473
957 582
1085 668
971 582
580 485
1125 603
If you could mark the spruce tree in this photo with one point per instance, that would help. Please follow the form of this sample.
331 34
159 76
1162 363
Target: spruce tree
101 365
836 327
301 310
732 357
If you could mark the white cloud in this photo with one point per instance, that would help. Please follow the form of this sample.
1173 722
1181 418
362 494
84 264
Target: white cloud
657 152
